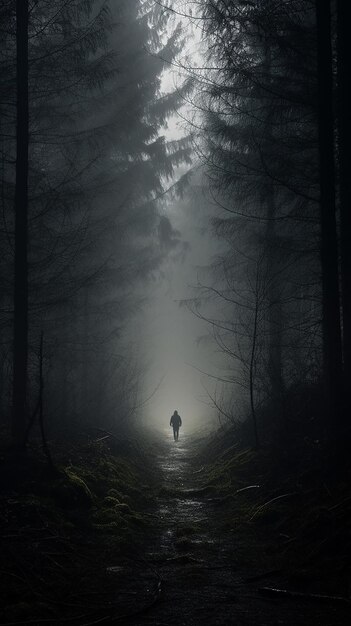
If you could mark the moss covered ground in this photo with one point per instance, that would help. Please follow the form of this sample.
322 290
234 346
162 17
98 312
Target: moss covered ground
147 531
63 533
294 512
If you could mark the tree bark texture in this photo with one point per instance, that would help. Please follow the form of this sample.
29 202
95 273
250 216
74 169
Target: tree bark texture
328 228
344 145
20 338
274 296
252 367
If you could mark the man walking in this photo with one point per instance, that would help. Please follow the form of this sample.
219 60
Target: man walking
176 422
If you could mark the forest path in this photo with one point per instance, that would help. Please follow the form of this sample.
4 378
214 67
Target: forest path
203 565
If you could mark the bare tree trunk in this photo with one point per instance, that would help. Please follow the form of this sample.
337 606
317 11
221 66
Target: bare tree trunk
344 143
45 444
85 330
20 340
329 244
274 300
252 367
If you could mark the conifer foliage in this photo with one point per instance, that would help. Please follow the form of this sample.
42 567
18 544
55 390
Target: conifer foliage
274 160
85 104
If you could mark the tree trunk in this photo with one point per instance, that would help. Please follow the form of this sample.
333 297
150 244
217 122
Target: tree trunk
328 231
274 298
273 254
344 144
85 330
252 367
20 340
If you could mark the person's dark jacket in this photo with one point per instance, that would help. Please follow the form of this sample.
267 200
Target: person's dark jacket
176 421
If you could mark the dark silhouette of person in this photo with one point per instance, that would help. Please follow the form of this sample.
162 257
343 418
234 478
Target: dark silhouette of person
176 422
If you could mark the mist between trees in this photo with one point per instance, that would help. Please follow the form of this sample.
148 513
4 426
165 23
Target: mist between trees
87 171
83 168
271 131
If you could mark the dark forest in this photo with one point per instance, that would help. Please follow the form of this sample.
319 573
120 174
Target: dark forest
175 312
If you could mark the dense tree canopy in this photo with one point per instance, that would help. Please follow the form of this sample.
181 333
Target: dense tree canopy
98 169
266 137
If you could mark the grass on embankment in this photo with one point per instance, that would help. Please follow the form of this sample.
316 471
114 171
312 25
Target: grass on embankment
61 531
294 514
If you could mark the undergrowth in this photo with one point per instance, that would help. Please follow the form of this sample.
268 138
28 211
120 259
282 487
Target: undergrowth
288 502
61 531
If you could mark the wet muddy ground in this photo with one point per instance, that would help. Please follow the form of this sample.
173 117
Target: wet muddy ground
165 541
202 571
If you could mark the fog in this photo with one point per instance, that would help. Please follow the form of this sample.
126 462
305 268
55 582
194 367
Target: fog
174 338
131 288
175 233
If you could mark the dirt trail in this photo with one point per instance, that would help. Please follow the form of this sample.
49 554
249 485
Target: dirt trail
201 567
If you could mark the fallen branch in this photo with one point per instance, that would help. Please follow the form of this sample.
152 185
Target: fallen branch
246 488
293 595
284 495
339 504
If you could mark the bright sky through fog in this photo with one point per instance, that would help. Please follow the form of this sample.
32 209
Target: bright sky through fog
172 331
188 61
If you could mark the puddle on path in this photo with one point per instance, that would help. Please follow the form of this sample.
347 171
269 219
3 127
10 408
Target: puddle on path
179 513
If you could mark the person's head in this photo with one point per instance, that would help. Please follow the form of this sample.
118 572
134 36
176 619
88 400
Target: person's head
175 413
